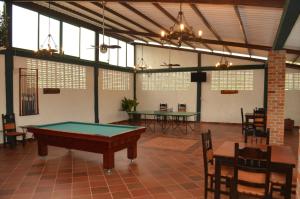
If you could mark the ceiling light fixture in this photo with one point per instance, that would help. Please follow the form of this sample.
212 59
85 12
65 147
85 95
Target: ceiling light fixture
223 63
180 31
46 49
141 64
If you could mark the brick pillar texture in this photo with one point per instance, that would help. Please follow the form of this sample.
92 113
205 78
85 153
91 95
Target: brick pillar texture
276 96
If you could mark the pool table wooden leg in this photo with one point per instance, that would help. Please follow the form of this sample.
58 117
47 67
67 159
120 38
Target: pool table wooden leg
42 148
132 151
108 159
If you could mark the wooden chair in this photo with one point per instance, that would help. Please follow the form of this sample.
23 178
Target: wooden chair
181 107
10 133
278 183
251 172
162 107
243 121
209 168
262 137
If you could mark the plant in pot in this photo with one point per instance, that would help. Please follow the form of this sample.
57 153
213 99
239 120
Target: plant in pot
4 29
129 105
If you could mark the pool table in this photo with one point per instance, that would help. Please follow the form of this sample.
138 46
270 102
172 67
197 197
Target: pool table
98 138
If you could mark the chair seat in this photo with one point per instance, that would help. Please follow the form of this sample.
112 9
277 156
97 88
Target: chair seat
225 171
251 190
14 133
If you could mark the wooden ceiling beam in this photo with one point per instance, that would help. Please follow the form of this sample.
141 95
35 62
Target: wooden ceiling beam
210 41
126 19
296 58
242 27
207 24
101 16
289 17
260 3
137 12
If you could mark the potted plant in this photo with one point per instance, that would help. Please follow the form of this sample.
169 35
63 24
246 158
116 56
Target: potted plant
4 29
129 105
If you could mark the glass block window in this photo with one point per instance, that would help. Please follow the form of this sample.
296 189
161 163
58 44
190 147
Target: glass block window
115 80
292 81
176 81
59 75
232 80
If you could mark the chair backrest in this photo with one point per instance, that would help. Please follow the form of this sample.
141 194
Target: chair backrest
163 107
181 107
259 120
242 115
207 150
253 165
8 123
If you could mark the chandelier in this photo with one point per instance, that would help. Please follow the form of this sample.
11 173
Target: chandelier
46 49
180 31
223 63
141 64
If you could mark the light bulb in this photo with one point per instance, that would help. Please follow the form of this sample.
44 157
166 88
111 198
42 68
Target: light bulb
182 27
230 64
200 33
162 33
217 64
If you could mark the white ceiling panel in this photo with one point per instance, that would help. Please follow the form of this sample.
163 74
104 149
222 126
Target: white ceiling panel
261 23
223 20
293 40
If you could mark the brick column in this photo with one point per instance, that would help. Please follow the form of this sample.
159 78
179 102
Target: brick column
276 96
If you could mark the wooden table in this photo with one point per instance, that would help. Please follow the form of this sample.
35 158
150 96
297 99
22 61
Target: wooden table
282 161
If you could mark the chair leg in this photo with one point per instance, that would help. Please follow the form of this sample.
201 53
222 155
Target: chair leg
24 139
205 187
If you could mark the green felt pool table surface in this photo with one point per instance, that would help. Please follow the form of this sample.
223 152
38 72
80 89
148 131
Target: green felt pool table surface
108 130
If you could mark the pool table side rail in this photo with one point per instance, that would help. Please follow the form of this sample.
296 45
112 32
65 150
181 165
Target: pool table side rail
43 131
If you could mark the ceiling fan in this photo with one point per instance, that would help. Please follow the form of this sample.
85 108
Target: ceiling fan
104 47
169 65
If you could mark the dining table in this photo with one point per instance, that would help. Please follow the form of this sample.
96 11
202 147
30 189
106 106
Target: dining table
283 161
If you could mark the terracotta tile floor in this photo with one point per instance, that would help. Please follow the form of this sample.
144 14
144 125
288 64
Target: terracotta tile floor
156 173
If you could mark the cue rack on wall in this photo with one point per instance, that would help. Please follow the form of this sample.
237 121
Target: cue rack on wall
28 92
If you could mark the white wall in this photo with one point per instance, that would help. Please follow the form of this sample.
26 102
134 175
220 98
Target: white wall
110 102
292 102
69 105
215 107
154 57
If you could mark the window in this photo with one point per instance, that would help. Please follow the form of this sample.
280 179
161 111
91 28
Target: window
25 28
70 39
87 39
113 53
103 56
59 75
1 6
122 54
292 81
176 81
44 31
232 80
115 80
130 55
